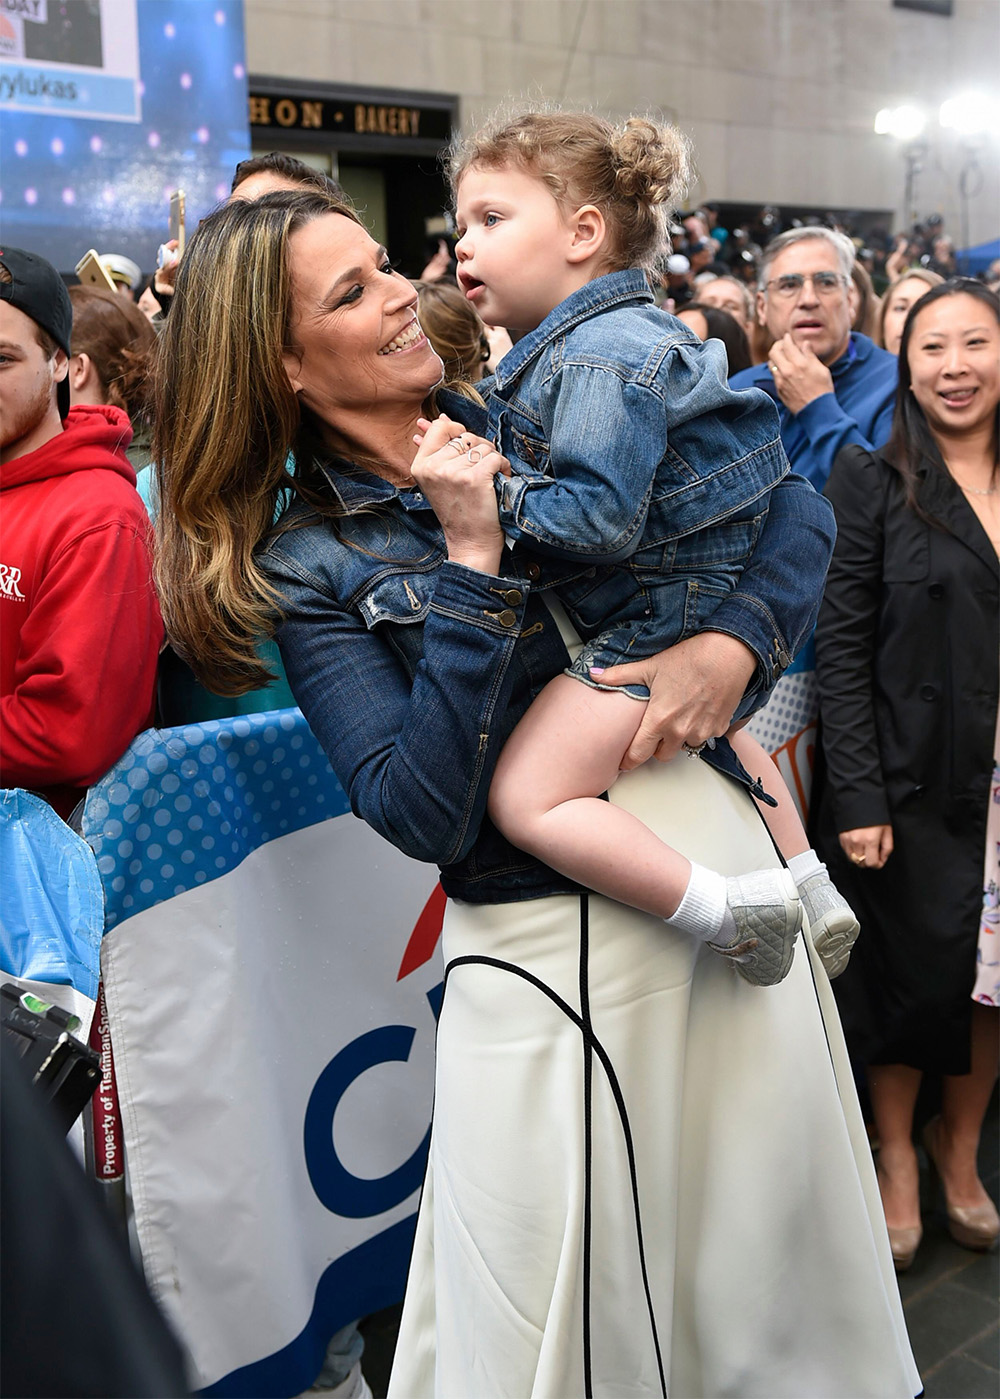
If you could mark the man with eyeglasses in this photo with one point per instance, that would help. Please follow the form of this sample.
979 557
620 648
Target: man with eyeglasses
832 385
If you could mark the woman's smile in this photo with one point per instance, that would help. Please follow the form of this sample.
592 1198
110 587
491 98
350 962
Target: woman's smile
409 338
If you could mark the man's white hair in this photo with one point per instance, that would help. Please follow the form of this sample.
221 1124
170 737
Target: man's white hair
840 242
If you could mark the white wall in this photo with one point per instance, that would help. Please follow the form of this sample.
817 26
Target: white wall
779 96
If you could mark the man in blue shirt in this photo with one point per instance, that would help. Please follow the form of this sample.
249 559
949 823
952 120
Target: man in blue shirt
832 385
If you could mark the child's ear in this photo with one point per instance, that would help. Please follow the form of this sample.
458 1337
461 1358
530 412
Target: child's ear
589 233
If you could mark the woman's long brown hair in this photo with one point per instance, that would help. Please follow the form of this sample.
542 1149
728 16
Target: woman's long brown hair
226 419
120 341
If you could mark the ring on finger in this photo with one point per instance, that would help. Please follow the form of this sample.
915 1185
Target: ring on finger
474 456
459 443
693 750
858 859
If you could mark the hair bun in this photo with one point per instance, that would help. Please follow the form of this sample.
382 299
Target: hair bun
652 162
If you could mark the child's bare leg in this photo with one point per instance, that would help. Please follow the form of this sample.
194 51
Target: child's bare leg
832 922
546 799
783 820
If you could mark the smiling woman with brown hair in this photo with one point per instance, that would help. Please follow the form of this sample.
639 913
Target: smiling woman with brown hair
604 1092
908 678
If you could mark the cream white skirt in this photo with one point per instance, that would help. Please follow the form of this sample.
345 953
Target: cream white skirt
646 1177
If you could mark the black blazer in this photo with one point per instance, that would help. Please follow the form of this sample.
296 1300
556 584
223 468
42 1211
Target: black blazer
908 664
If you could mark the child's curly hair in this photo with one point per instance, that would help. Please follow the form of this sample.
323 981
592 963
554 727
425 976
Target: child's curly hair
635 173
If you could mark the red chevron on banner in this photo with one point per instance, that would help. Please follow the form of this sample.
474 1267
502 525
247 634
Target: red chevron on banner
425 935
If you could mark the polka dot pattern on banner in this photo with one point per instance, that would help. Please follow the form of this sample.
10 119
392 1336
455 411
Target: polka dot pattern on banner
186 805
793 707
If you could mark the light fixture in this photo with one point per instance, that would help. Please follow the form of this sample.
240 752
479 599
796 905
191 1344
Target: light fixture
906 123
971 114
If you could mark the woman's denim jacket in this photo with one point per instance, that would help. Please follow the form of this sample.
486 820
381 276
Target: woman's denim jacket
412 671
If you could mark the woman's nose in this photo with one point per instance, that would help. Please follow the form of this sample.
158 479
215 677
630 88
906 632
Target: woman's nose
401 293
954 359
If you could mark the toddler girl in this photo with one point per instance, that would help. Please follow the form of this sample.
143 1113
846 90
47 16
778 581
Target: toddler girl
628 447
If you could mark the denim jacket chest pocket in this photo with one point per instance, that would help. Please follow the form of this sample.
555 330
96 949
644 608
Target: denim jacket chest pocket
519 435
396 605
402 598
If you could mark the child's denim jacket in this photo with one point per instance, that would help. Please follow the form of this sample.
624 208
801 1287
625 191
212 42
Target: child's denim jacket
629 447
622 430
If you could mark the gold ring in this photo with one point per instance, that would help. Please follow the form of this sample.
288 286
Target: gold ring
772 367
858 859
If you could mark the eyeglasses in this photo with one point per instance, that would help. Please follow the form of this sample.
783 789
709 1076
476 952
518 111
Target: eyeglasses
823 283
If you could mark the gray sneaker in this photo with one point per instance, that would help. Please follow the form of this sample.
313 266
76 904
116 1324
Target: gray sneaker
832 922
768 914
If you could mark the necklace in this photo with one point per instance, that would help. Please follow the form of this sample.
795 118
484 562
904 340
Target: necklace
975 490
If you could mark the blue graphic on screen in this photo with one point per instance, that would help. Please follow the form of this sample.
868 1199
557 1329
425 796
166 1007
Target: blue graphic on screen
106 107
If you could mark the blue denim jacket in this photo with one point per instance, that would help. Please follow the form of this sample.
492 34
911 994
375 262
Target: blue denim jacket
412 671
623 433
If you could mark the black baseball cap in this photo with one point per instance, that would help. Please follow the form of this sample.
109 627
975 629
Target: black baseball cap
36 288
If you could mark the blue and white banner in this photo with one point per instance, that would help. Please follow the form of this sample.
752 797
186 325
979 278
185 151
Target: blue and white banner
272 988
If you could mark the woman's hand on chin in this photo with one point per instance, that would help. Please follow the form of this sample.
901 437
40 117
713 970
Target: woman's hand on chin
694 690
454 469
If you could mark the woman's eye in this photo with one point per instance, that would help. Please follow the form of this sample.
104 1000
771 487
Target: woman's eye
353 295
388 267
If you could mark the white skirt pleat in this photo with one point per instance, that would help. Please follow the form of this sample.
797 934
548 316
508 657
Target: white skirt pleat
694 1214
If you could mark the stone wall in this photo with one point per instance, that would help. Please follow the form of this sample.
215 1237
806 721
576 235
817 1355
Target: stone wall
779 96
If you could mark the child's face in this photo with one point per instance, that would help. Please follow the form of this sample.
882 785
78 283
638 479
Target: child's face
512 252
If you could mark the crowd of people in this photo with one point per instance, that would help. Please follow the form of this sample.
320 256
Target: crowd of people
561 458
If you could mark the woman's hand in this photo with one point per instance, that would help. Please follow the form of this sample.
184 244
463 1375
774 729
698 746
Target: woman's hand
454 469
868 847
694 690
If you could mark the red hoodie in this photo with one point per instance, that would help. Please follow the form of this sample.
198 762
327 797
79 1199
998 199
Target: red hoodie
80 627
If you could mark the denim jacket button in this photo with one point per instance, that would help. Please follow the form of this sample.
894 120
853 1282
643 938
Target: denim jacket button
513 596
506 618
533 571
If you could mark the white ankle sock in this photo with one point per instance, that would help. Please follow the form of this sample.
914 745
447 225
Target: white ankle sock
804 866
703 912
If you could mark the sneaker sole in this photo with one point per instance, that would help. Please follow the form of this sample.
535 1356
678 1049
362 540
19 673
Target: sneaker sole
834 940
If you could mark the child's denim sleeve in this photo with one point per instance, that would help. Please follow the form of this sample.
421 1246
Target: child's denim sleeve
671 435
607 436
774 606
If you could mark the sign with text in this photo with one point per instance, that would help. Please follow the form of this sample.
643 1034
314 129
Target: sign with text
106 106
78 57
402 120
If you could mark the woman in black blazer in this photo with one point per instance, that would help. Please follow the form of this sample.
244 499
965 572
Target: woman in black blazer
908 655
